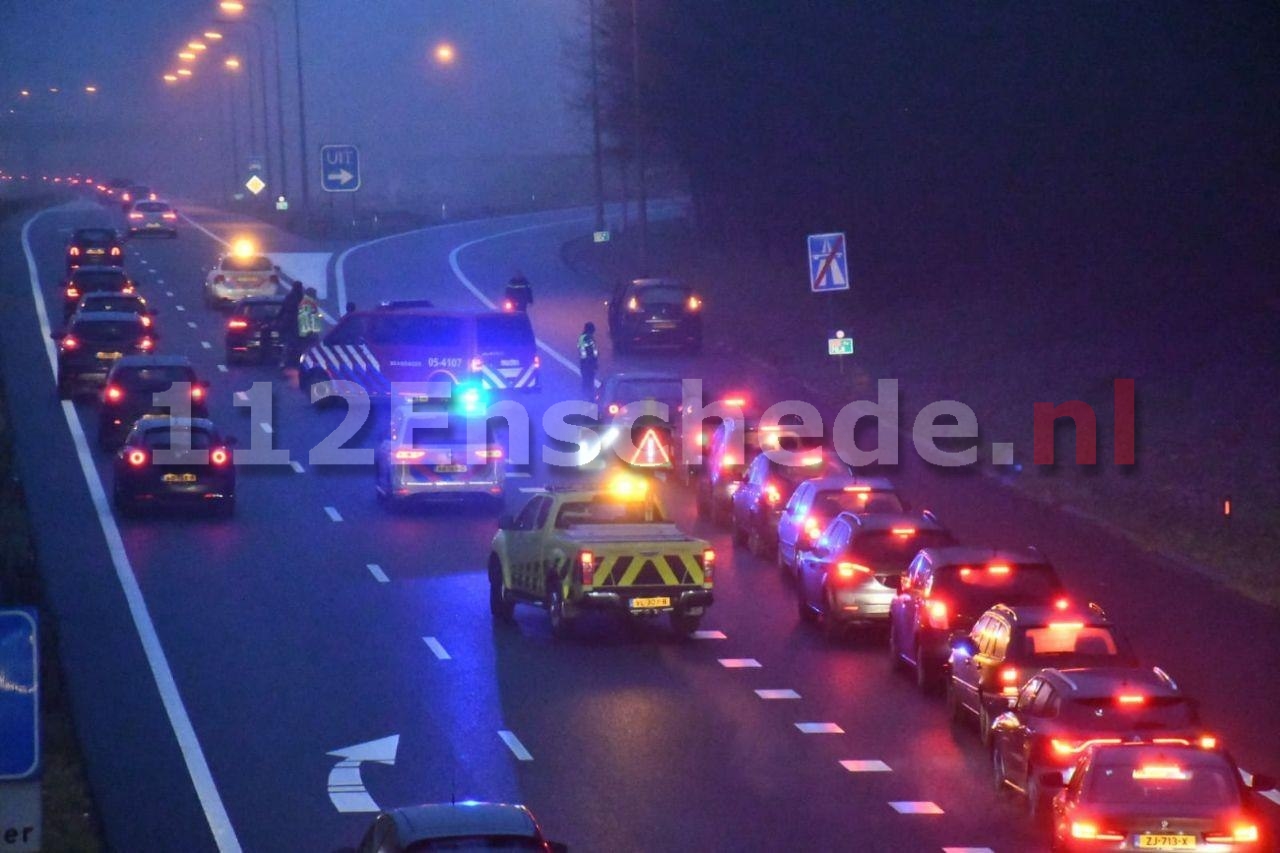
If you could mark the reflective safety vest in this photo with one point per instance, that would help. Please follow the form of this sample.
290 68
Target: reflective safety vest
309 322
587 347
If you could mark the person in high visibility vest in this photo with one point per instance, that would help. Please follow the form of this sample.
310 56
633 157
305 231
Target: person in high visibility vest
588 360
310 322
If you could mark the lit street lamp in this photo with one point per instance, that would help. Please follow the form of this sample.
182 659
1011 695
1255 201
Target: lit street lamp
231 6
197 46
92 90
26 93
445 54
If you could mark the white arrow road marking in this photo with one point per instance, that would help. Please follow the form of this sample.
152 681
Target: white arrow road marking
514 744
739 663
865 766
820 728
377 572
778 694
436 648
346 788
333 513
916 807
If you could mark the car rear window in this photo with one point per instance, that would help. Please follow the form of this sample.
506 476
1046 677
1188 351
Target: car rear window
504 332
886 546
605 510
669 391
1158 787
95 235
178 437
260 310
104 280
1071 638
252 263
662 295
155 375
1153 713
417 330
120 304
829 504
977 587
107 330
151 206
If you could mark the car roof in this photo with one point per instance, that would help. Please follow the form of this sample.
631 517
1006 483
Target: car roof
644 376
1104 681
84 232
832 482
154 361
1142 753
880 521
108 317
443 820
955 555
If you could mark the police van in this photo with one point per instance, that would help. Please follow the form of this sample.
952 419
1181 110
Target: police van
400 342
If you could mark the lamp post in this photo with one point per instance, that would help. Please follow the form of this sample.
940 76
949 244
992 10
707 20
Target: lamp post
641 164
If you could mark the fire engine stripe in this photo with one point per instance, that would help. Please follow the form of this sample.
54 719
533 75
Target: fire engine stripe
856 765
739 663
916 807
704 635
820 728
513 743
786 693
369 355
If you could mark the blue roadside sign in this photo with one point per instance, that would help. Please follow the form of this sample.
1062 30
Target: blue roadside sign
828 263
19 695
339 168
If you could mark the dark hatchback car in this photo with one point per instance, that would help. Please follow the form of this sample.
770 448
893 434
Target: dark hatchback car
175 462
464 826
253 332
94 247
93 279
767 485
1009 644
655 312
131 389
947 589
122 303
93 343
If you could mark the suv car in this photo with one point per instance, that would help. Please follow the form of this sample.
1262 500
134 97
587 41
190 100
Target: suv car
768 484
655 312
92 279
1061 712
94 246
852 573
947 589
131 388
93 343
821 499
1010 643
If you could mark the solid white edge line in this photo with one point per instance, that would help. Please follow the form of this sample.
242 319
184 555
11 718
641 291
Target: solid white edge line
333 513
296 466
374 569
513 743
215 812
205 230
436 648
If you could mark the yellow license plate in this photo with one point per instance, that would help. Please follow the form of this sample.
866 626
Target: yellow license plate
650 603
1164 841
108 356
179 478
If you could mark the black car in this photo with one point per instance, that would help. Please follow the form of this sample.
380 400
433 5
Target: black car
179 462
122 303
93 279
655 312
93 343
94 247
131 389
767 484
1009 644
947 589
252 330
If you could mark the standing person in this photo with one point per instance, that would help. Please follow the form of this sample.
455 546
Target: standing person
588 360
310 323
287 323
519 292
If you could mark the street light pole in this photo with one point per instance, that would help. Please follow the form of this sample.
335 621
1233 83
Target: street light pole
283 162
638 118
597 155
302 107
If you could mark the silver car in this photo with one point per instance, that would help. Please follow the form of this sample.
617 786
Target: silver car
429 455
152 217
815 502
238 276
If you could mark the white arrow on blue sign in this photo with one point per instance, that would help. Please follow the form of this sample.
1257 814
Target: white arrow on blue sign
339 168
19 695
828 263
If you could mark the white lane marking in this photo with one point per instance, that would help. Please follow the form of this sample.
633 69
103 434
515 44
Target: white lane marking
159 281
861 765
819 728
333 513
1273 795
346 788
378 574
222 368
739 663
205 230
297 466
513 743
191 324
168 293
215 812
916 807
241 395
265 427
785 693
206 345
709 635
436 648
180 307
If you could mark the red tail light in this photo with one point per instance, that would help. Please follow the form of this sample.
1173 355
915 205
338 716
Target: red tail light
146 344
237 324
135 215
220 456
128 288
771 494
115 251
491 453
172 215
409 455
812 528
1245 833
614 409
146 321
137 458
587 561
1061 604
197 392
69 342
114 394
1088 830
1009 681
1071 747
708 565
939 617
848 571
73 293
694 303
633 304
74 252
508 305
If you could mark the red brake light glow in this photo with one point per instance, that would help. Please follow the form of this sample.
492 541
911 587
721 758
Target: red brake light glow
169 215
219 456
848 570
736 402
771 494
137 458
1089 831
1160 772
135 215
508 305
1066 626
1009 675
588 562
69 342
938 614
1131 699
75 252
1061 604
73 292
146 344
491 453
237 323
197 392
409 455
904 532
115 251
998 569
633 304
114 394
815 459
694 303
862 490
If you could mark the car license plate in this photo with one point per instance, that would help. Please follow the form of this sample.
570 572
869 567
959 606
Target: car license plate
95 251
650 603
108 356
179 478
450 469
1165 841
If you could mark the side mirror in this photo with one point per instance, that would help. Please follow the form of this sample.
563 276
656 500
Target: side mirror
1262 782
964 646
1051 780
507 522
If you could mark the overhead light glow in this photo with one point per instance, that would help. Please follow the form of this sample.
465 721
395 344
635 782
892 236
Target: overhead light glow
232 6
171 78
184 72
197 46
213 35
92 90
445 54
232 63
26 93
186 55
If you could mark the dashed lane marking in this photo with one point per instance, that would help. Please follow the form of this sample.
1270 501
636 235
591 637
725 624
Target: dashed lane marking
374 569
266 427
709 635
819 729
739 663
513 743
191 324
778 694
297 466
222 368
915 807
241 395
862 765
180 307
333 513
206 345
436 648
168 293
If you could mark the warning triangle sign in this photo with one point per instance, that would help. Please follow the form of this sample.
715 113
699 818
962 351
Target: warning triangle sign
650 452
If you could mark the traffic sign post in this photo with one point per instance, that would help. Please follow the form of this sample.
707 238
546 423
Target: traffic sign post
839 345
20 819
339 168
828 263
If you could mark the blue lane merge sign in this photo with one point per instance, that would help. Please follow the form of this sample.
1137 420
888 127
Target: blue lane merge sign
339 168
828 263
19 695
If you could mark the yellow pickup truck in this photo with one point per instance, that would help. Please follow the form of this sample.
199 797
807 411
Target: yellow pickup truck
610 548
